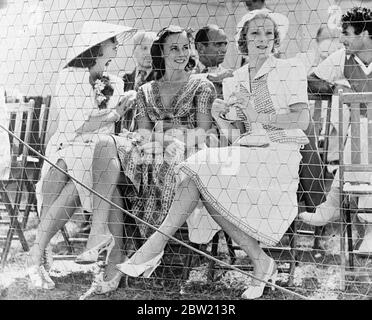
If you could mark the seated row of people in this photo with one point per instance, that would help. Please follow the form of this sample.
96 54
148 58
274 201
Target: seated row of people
177 116
174 117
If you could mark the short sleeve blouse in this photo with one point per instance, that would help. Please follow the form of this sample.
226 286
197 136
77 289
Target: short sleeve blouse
197 95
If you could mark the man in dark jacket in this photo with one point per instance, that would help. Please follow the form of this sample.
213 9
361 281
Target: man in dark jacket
143 67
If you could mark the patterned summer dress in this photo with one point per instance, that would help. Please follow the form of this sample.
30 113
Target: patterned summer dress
252 187
154 178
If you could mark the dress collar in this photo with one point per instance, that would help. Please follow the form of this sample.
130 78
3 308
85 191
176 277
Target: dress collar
268 65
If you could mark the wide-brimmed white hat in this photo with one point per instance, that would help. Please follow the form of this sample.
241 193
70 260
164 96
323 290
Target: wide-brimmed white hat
95 32
279 19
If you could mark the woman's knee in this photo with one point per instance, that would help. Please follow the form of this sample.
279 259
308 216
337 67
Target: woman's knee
55 176
105 147
106 167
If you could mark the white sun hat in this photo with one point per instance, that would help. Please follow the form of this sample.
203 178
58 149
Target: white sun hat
279 19
95 32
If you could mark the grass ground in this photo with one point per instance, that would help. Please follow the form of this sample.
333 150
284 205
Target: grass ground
317 276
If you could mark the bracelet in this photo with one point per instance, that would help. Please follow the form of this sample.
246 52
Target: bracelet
118 116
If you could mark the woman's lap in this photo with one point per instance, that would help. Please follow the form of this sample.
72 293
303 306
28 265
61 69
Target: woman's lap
153 182
236 178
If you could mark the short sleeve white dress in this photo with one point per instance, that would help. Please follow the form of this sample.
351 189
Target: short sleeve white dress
253 187
74 99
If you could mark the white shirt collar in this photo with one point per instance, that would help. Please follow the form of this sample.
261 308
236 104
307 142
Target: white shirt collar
210 69
366 70
146 70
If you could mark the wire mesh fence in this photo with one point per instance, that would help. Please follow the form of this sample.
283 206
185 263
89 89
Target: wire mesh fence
185 149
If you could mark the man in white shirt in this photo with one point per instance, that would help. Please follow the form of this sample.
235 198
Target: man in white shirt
211 45
354 64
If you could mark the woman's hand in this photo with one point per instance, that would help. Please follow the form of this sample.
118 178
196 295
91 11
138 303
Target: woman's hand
176 133
250 113
219 106
153 147
218 77
175 148
128 101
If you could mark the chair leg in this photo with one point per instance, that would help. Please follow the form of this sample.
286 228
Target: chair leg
188 262
13 212
230 248
343 206
293 252
214 252
66 238
349 237
31 200
318 232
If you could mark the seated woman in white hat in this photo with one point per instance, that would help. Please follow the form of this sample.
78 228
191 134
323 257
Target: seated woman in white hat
248 188
89 102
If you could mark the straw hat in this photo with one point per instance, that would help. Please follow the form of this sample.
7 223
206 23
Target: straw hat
279 19
95 32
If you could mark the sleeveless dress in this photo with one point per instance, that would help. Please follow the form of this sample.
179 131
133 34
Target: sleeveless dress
253 187
153 178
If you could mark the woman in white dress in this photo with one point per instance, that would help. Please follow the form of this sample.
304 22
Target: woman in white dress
249 191
4 140
89 102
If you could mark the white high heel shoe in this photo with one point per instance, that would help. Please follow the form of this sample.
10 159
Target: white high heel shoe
91 255
39 278
100 286
256 291
146 268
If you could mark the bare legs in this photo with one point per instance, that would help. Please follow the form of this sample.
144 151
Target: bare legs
60 201
184 203
116 221
251 247
106 174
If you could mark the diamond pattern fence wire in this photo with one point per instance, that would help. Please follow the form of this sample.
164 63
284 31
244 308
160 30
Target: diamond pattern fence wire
264 192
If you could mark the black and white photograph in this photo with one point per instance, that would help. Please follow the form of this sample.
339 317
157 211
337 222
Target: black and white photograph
186 150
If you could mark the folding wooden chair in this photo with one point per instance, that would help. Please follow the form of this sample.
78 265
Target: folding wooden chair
34 162
355 175
18 113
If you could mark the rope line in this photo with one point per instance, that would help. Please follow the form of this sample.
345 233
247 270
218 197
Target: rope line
153 227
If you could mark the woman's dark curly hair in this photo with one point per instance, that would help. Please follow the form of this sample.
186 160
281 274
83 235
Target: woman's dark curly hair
359 18
88 58
242 42
157 50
